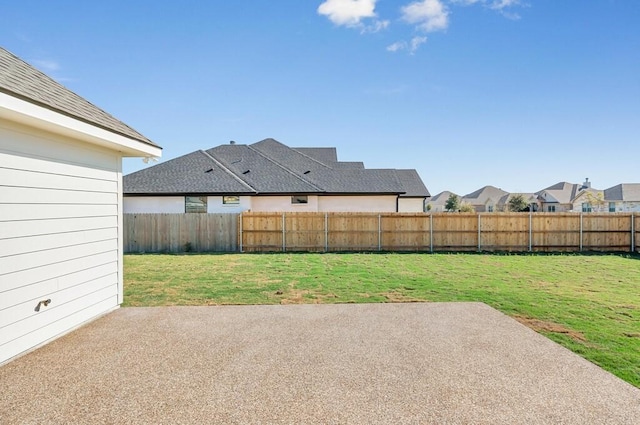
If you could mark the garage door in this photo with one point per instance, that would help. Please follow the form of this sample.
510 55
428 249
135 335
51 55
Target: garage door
58 237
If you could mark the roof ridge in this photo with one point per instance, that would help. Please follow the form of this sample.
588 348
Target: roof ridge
268 158
311 158
231 173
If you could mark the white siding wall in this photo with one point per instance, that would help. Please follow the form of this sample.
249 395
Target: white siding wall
175 204
410 205
283 203
381 203
153 204
59 235
215 205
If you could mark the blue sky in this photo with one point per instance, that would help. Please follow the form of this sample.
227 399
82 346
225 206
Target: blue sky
515 94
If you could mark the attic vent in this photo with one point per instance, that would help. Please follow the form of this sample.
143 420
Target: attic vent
209 170
246 172
307 172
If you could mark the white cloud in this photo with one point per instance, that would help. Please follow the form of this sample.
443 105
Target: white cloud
429 15
416 42
411 46
377 26
349 13
502 6
398 45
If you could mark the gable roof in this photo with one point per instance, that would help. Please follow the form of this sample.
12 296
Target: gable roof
482 195
412 184
628 192
269 167
562 192
23 81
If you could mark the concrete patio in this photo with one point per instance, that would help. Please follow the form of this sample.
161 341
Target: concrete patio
440 363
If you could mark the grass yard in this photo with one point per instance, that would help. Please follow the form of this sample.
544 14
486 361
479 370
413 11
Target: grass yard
588 303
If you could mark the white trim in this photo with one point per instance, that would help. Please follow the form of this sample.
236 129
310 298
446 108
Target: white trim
14 109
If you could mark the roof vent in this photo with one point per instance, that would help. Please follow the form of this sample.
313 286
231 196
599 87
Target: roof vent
246 172
232 142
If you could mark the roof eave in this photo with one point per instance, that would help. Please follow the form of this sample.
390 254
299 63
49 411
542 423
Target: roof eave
28 113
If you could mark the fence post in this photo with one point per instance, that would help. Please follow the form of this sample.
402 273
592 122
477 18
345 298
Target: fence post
379 233
431 233
326 232
284 235
479 240
581 232
633 233
530 231
240 227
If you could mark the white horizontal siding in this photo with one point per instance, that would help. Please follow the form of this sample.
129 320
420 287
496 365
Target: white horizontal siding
51 287
35 196
80 312
33 244
26 228
59 235
36 260
25 309
55 271
21 212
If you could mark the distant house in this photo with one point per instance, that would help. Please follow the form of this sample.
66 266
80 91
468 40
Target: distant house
437 203
561 196
530 198
623 197
270 176
485 199
60 207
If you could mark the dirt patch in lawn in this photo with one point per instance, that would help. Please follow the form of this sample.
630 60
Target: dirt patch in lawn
399 297
544 326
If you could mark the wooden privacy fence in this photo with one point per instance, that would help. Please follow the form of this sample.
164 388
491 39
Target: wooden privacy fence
539 232
180 232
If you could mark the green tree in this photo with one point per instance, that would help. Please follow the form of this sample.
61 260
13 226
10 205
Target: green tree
518 203
453 203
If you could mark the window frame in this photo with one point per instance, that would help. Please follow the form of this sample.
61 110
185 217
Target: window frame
299 199
612 207
587 207
227 201
203 205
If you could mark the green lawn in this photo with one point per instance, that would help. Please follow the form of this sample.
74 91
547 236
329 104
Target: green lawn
588 303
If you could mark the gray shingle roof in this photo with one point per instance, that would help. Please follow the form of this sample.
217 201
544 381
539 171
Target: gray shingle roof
268 167
562 192
192 173
483 194
324 155
412 184
21 80
629 192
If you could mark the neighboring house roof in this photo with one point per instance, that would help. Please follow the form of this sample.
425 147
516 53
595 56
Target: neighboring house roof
530 198
484 194
439 200
441 197
626 192
564 192
21 80
412 184
270 167
325 155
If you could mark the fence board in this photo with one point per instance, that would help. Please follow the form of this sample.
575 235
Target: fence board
180 232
